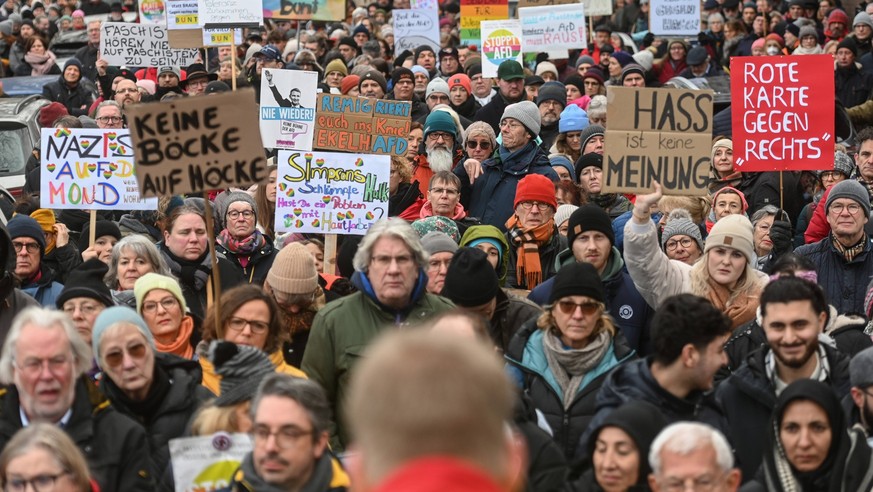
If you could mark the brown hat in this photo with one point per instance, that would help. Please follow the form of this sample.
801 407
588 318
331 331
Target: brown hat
293 271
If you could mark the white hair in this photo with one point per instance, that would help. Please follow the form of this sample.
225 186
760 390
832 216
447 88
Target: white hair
393 227
715 16
683 438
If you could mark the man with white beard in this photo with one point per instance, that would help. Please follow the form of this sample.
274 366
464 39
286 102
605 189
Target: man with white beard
440 150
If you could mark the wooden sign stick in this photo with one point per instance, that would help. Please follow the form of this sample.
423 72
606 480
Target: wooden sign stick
210 237
92 234
329 263
233 73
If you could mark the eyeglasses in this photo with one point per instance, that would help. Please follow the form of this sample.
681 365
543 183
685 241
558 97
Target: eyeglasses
109 119
285 437
126 91
86 308
39 483
447 191
529 205
385 261
672 244
831 175
31 247
116 357
33 366
434 136
837 209
239 324
472 144
512 125
435 265
234 214
588 307
167 303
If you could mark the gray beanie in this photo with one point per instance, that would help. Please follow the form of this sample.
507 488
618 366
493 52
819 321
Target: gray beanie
236 196
585 59
114 315
863 18
843 163
591 132
861 369
241 368
438 242
850 189
437 85
679 222
526 113
808 31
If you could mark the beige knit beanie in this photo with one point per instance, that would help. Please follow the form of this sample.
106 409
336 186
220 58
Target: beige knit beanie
293 271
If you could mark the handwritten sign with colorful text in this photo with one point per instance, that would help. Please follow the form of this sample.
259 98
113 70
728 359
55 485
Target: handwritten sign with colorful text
330 192
782 113
89 169
473 12
501 41
361 125
552 28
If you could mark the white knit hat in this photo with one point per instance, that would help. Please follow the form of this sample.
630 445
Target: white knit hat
563 214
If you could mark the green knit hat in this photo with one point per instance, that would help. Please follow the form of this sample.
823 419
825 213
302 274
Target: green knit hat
152 281
440 121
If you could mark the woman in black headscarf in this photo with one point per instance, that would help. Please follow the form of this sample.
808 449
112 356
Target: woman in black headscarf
810 449
619 449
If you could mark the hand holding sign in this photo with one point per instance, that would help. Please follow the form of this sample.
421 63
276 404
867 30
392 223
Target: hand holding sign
644 203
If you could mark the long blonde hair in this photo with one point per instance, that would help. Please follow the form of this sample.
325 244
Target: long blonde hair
747 285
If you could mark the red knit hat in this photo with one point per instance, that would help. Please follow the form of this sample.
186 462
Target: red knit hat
348 83
535 188
838 15
462 80
50 112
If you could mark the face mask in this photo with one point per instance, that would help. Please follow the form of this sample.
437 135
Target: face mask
772 50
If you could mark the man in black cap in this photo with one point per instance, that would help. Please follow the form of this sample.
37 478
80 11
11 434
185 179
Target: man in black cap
373 84
699 65
471 283
852 85
425 56
348 49
403 83
482 87
750 11
510 83
633 75
551 100
449 62
268 57
196 79
532 84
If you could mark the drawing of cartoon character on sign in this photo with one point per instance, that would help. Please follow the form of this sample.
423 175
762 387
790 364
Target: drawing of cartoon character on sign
293 99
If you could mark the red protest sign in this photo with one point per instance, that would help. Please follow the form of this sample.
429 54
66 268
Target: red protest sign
782 112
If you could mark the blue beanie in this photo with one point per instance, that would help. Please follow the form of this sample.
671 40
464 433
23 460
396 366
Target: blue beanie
361 29
73 61
563 161
573 119
493 242
440 121
623 58
25 226
111 316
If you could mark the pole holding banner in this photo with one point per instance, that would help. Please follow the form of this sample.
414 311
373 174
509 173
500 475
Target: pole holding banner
92 233
215 288
329 264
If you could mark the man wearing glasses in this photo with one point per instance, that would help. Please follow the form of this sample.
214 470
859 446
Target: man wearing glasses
444 199
127 93
108 115
28 242
440 150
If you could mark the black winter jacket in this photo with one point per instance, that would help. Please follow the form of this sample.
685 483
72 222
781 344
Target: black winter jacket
741 405
493 111
852 85
845 284
62 261
548 255
76 99
255 271
511 313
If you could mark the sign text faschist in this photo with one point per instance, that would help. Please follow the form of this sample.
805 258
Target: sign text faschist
141 45
657 134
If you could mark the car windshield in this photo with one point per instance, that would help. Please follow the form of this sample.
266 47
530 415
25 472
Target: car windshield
15 148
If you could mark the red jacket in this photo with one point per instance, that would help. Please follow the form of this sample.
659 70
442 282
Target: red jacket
439 474
818 227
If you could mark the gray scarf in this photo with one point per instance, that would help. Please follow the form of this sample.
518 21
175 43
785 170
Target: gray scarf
570 366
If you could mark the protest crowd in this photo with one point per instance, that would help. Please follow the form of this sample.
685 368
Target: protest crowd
511 321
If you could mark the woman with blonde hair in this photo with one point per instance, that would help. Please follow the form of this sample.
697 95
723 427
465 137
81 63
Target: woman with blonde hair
561 358
724 274
41 456
265 200
697 206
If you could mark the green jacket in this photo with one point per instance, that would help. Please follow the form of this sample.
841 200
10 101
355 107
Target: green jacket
343 329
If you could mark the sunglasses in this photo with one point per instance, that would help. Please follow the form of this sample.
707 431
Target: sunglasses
569 307
115 358
472 144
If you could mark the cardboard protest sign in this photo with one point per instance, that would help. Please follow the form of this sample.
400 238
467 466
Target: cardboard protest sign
413 28
183 28
675 17
782 112
657 134
501 41
141 45
152 12
288 121
558 27
216 14
473 12
361 125
197 144
330 192
319 10
208 462
83 169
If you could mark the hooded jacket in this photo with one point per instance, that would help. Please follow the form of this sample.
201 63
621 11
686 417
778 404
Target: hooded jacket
477 233
510 314
343 329
259 263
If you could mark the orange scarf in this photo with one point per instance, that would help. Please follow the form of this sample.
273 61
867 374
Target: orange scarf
182 345
741 310
528 266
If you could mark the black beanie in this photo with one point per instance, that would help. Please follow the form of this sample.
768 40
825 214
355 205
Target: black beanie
589 217
850 44
589 159
86 280
470 280
25 226
400 73
348 41
103 228
577 279
421 49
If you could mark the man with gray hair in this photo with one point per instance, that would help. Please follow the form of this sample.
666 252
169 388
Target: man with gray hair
43 362
391 281
108 115
290 419
692 452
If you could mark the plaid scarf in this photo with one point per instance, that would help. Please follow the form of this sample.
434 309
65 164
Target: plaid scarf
529 270
849 253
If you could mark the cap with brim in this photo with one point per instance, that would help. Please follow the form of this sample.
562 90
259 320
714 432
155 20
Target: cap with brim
510 70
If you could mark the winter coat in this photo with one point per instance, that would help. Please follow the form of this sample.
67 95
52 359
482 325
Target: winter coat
510 314
196 298
178 406
327 476
115 447
16 55
667 70
741 405
422 172
255 271
344 328
529 368
467 110
76 99
406 202
45 290
25 70
852 85
845 284
624 303
548 254
62 261
762 189
438 473
547 469
487 232
492 196
212 381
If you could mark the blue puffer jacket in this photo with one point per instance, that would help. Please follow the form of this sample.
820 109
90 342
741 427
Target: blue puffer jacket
631 313
45 290
491 197
845 284
529 368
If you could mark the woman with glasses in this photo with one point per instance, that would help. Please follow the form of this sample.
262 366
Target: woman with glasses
561 358
241 242
681 237
42 457
160 301
479 141
247 316
762 221
160 391
130 259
